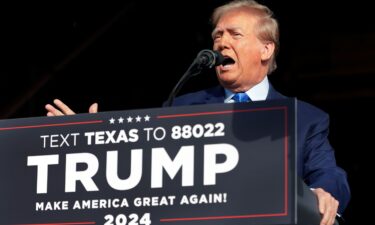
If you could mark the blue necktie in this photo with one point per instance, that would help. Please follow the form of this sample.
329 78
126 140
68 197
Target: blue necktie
241 97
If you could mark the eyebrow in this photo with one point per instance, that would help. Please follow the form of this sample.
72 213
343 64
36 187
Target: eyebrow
216 30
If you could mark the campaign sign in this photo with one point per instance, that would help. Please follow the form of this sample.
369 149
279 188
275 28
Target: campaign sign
206 164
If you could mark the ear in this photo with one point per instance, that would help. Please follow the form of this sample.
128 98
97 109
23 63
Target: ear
267 50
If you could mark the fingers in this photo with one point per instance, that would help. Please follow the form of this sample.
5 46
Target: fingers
52 111
93 108
64 108
328 206
332 210
60 109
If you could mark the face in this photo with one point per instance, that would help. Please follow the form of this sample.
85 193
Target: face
246 56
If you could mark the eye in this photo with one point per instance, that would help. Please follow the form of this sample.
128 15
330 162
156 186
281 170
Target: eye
216 36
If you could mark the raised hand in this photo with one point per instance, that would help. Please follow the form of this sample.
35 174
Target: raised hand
61 109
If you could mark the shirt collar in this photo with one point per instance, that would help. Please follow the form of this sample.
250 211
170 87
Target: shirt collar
257 93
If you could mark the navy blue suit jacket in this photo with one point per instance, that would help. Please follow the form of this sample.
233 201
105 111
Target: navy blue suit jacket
316 163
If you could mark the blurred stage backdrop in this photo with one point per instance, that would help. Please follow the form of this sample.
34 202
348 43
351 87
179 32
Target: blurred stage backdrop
130 54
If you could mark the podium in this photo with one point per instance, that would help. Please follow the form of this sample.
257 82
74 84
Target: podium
207 164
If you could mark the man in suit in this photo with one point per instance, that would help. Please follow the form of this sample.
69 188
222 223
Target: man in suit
247 35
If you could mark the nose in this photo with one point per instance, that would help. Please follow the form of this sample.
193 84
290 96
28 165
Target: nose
221 43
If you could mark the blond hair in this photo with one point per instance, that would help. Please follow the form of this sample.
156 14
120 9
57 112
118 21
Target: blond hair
267 28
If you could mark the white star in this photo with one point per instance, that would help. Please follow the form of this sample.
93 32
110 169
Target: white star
129 119
120 120
112 121
138 119
147 118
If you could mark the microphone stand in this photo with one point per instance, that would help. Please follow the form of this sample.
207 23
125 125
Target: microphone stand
205 59
193 70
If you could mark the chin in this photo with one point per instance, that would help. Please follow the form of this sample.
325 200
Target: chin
227 78
227 84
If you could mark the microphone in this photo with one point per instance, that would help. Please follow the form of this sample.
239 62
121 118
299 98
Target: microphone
205 59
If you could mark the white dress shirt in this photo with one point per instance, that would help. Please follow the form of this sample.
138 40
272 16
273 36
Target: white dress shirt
257 93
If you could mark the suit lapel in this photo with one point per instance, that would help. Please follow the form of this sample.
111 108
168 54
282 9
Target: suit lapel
214 95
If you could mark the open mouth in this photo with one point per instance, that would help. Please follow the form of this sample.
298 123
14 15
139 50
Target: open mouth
228 61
